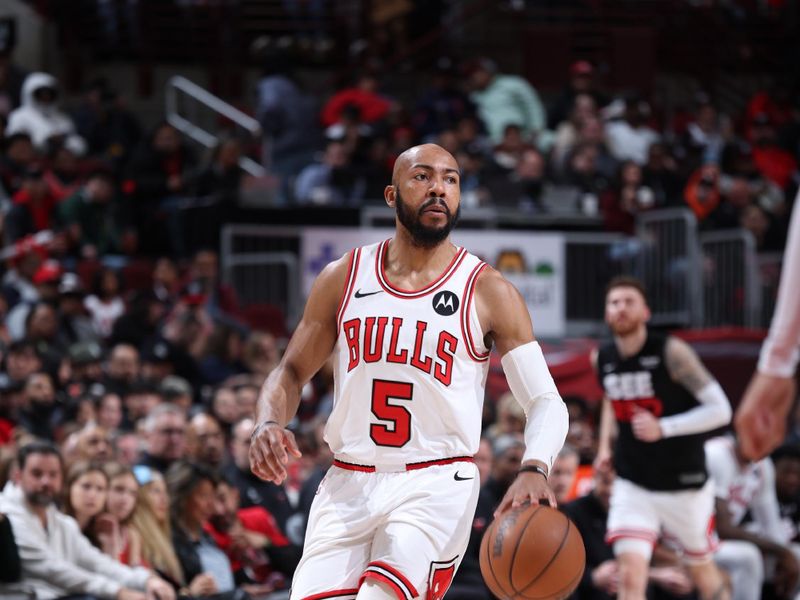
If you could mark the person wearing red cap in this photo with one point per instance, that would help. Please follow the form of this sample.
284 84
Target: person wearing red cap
581 81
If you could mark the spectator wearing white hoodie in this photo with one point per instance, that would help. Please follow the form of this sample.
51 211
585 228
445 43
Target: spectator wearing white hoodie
39 115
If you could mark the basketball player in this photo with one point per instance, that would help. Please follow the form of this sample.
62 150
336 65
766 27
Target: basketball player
659 397
410 322
761 416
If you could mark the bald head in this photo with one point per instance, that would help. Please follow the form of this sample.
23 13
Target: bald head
425 154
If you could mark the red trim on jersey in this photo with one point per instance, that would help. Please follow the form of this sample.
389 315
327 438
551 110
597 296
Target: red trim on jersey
331 594
442 461
411 294
631 532
409 466
395 579
466 329
353 467
352 268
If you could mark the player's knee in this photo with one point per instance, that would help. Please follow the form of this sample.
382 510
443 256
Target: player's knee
633 572
375 590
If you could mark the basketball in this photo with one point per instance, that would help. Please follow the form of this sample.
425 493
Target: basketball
532 552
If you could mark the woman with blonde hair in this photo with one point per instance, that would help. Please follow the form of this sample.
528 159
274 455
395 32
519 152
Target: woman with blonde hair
151 519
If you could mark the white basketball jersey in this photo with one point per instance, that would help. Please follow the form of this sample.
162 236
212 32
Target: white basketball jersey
409 366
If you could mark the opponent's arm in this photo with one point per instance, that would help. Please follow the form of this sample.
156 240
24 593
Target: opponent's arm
608 427
684 367
308 349
505 320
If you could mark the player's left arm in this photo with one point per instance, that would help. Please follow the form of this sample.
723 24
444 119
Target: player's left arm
685 368
506 322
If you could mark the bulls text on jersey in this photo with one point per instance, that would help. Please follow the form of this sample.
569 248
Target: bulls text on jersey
365 342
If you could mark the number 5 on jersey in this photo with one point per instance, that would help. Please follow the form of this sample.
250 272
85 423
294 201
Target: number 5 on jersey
398 434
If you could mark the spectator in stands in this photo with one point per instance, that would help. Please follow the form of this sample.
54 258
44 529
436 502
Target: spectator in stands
17 156
442 104
218 298
504 100
86 364
111 131
39 115
63 174
105 303
192 491
660 174
141 322
11 76
260 354
21 360
41 326
288 118
74 324
176 390
97 221
743 487
261 557
18 285
221 178
165 431
46 280
363 95
108 411
159 175
568 131
583 171
139 400
120 540
86 489
787 488
705 135
205 442
33 209
629 197
166 282
330 182
772 161
562 477
582 81
702 192
225 408
630 137
41 413
57 559
252 490
224 353
122 369
92 443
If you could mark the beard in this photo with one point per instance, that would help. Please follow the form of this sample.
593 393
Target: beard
422 235
40 499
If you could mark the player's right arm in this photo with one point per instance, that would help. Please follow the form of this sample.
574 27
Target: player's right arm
608 427
309 348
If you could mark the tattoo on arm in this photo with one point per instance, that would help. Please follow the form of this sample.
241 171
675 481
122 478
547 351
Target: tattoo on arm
684 366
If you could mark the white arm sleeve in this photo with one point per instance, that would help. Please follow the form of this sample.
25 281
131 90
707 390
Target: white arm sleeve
714 411
780 352
547 419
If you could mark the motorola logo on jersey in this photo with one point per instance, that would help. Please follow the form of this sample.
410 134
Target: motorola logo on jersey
445 303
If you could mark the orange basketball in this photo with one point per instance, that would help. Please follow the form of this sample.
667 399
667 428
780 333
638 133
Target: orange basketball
532 552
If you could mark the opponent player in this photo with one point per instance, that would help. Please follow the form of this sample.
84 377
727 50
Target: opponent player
659 397
410 322
761 416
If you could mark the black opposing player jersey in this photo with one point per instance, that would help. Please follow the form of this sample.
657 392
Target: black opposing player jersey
643 381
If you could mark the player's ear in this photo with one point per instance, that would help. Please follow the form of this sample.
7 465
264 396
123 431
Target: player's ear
389 194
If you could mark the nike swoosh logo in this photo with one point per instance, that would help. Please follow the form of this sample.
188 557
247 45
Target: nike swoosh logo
358 294
457 478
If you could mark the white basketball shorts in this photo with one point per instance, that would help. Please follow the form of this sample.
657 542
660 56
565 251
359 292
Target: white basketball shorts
682 518
406 529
